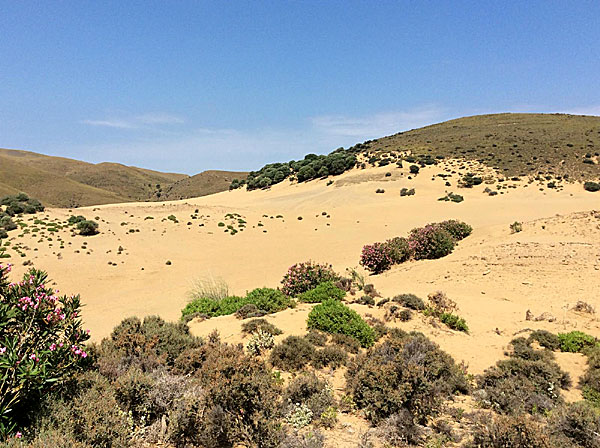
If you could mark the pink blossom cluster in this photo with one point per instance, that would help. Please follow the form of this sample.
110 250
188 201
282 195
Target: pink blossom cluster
302 277
430 241
376 257
78 352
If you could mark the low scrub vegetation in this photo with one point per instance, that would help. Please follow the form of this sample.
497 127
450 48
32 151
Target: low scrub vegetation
323 291
265 300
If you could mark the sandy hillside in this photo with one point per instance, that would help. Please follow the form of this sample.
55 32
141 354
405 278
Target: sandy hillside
493 275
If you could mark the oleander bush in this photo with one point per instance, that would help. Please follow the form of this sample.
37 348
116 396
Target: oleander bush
305 276
430 242
405 372
42 344
323 291
377 257
334 317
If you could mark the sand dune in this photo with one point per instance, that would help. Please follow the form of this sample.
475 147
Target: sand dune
493 275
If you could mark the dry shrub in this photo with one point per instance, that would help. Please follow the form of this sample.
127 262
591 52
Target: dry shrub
400 429
440 302
333 356
583 307
406 371
576 423
507 431
311 391
293 353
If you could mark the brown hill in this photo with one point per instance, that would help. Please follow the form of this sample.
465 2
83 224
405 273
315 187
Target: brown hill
63 182
515 144
202 184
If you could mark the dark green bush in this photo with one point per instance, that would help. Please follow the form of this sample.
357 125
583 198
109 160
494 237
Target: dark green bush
76 219
293 353
405 372
400 252
334 317
458 229
87 228
545 339
323 291
591 186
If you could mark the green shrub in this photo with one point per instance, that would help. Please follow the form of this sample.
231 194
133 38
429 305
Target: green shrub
399 249
293 353
410 301
405 372
75 219
334 317
455 322
575 341
269 299
87 228
323 291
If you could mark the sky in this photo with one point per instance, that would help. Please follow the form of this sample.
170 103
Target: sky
187 86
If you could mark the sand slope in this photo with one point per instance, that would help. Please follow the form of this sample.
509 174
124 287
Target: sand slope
493 275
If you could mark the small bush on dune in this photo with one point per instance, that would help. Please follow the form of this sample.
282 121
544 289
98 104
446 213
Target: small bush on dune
454 322
376 257
399 249
293 353
305 276
323 291
523 383
506 431
268 299
333 356
334 317
410 301
430 242
405 372
545 339
76 219
591 186
254 325
457 229
575 341
576 423
310 391
87 228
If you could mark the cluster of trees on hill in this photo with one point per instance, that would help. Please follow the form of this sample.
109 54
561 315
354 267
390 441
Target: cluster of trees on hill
313 166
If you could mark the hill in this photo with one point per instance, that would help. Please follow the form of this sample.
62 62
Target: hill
63 182
542 146
202 184
514 144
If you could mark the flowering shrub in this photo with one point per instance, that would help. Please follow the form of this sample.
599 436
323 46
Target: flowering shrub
303 277
376 257
260 342
430 242
41 343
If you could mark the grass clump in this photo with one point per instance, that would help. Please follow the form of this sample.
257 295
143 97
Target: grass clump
334 317
323 291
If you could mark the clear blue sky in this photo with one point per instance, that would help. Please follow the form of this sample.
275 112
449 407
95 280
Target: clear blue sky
187 86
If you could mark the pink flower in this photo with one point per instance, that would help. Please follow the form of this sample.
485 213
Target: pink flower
18 435
2 350
52 347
